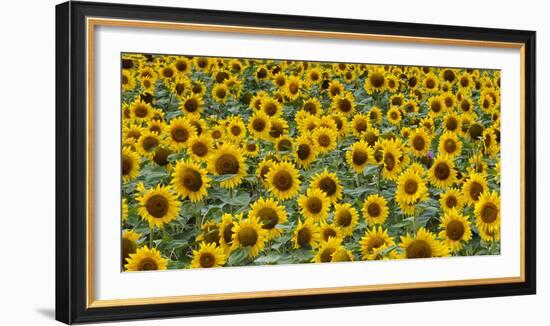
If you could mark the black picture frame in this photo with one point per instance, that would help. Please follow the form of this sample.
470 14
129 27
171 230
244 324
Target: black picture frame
71 158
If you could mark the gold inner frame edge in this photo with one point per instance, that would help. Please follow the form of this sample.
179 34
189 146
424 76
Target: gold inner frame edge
92 22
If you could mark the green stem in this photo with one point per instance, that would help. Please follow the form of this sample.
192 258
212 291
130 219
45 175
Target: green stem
151 234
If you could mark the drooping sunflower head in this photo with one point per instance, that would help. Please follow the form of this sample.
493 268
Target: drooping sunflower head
270 214
283 180
373 239
278 128
209 255
346 218
314 205
422 245
306 234
189 179
249 234
228 160
487 213
375 209
442 172
329 184
455 230
210 232
145 259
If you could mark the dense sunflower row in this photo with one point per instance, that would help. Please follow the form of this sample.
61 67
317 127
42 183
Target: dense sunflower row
231 162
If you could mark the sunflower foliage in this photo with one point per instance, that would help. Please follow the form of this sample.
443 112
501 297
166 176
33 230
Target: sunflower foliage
235 162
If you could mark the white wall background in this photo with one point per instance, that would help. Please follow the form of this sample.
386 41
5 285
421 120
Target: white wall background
27 162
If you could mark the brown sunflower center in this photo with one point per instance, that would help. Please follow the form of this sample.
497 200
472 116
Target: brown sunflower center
370 137
161 156
475 190
304 236
310 107
450 146
324 140
150 143
148 264
207 260
328 185
125 79
451 124
411 186
212 236
465 105
221 93
236 130
251 147
197 88
451 201
329 232
228 233
180 88
326 255
270 108
389 161
314 205
216 134
202 62
394 115
303 151
157 206
455 230
141 110
128 247
293 88
359 157
476 130
191 179
247 236
343 218
191 105
397 101
127 165
344 105
489 212
180 135
200 149
413 81
374 209
442 171
449 75
375 243
448 101
284 145
430 83
436 106
221 76
227 164
419 249
181 65
360 126
282 180
258 124
377 80
419 143
168 72
262 73
276 130
269 218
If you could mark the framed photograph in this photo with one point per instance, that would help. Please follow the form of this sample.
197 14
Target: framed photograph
214 162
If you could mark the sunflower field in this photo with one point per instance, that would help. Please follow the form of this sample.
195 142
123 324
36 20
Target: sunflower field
236 162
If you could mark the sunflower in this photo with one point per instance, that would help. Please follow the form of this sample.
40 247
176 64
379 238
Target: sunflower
220 93
327 250
393 83
129 244
411 187
374 239
449 144
124 209
180 131
430 82
455 230
263 169
392 159
345 218
210 232
449 100
306 234
312 106
271 107
200 147
279 79
442 174
410 106
487 213
270 214
314 205
145 259
329 184
304 151
466 81
313 76
420 142
292 87
283 146
371 135
375 209
262 73
466 105
202 63
209 255
344 103
394 115
422 245
436 106
127 81
228 160
226 230
477 164
182 65
158 206
341 123
490 146
451 199
217 133
473 187
249 234
167 72
129 164
181 86
324 139
282 180
278 128
448 75
250 149
191 104
360 124
148 143
259 125
189 179
236 129
376 80
451 122
375 115
335 88
359 156
140 110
